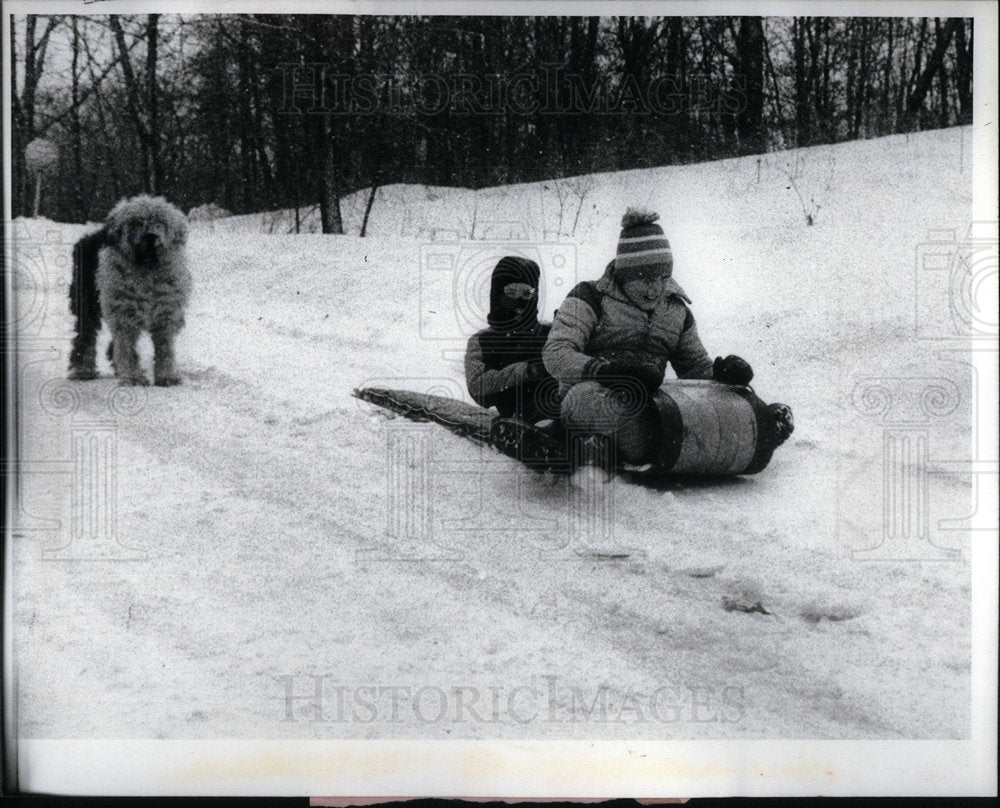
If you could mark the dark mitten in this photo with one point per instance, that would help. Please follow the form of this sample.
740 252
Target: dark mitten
623 374
649 376
536 371
784 423
732 370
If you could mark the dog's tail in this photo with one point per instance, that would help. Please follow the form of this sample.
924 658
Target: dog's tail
83 286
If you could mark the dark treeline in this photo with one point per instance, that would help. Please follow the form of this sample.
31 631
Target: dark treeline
253 112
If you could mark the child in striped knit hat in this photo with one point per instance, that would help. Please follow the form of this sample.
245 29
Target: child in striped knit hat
611 341
608 349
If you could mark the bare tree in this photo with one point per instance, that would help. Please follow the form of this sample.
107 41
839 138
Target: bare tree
76 128
328 35
803 84
935 63
23 105
204 106
145 115
963 70
750 64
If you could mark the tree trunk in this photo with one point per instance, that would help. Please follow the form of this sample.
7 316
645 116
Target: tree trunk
861 85
134 103
76 130
803 108
881 128
330 33
546 151
676 74
275 50
258 116
152 101
901 84
963 71
28 106
934 64
247 161
910 84
943 83
779 114
821 78
750 55
851 92
329 182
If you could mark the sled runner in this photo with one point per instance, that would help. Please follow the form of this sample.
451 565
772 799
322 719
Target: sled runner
705 430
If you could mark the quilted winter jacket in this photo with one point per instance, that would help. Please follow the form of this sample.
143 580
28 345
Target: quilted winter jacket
623 332
496 365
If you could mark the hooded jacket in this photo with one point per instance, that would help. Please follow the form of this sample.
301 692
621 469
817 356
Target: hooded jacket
497 358
621 331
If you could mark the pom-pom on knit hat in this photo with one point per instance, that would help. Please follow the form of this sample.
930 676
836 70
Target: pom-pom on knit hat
643 250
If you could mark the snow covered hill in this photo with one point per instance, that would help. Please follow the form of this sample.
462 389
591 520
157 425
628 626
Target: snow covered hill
270 532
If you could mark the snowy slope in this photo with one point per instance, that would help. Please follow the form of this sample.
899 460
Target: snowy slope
258 490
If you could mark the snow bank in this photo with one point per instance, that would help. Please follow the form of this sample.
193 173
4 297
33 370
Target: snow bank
276 545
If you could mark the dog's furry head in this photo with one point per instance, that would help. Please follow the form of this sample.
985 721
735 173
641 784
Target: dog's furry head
145 228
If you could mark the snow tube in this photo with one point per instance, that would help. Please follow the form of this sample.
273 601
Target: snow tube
713 429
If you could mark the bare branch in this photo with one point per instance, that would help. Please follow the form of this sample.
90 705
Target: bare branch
43 43
91 88
131 87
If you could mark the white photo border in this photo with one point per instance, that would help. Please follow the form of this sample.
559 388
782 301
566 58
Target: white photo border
557 769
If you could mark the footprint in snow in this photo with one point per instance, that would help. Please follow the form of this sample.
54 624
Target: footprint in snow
731 604
745 595
703 572
606 556
815 613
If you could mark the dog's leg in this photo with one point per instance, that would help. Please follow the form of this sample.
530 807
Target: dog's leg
164 370
83 357
126 358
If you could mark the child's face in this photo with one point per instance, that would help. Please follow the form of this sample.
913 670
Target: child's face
645 292
516 301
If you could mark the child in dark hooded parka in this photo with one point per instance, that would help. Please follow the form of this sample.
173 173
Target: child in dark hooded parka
503 363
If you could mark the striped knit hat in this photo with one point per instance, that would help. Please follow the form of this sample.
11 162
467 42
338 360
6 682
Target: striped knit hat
643 250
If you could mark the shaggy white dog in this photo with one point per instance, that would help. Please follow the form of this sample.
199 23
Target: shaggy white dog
144 284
